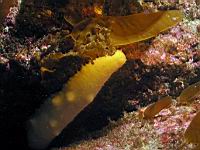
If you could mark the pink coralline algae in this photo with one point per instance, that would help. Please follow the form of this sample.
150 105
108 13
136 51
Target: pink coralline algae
174 47
171 123
191 8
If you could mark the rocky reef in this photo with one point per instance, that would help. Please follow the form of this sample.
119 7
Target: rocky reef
45 44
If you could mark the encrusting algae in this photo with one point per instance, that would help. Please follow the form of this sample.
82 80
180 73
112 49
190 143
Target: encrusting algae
78 92
192 133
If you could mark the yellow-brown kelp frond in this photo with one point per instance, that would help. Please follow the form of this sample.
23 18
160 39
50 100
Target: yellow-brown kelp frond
188 94
78 92
153 109
192 133
138 27
123 30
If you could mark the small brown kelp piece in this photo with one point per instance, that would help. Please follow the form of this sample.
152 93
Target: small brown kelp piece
192 133
188 94
56 113
153 109
123 30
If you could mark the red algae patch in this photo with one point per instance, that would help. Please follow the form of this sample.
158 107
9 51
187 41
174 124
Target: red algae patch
165 131
171 124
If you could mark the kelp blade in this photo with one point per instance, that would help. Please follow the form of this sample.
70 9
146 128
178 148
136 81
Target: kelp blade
188 94
192 133
79 91
137 27
156 107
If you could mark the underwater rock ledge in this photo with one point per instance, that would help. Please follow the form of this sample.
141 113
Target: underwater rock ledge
118 94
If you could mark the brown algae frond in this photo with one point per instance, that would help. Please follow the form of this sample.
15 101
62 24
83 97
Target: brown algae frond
56 113
123 30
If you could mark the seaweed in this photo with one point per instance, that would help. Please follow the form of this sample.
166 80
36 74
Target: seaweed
153 109
78 92
125 30
188 94
192 132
